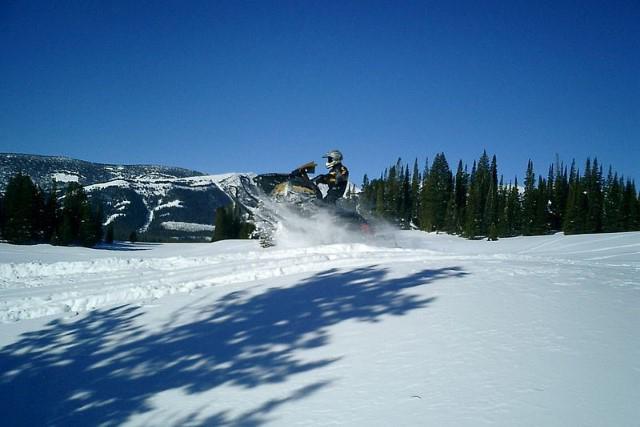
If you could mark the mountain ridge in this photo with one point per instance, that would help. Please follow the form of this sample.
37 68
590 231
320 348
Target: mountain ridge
163 203
42 169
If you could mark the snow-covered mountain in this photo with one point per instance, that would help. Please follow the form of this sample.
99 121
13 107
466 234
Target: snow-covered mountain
161 202
406 329
162 208
44 169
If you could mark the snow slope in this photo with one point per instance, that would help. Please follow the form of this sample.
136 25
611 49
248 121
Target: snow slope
406 329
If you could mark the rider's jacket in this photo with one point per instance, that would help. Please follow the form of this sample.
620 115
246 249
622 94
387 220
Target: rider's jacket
337 179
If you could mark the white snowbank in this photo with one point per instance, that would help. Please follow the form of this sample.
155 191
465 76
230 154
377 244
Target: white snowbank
121 183
290 257
93 289
186 226
65 177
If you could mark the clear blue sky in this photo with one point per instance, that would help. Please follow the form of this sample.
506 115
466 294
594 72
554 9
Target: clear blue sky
263 86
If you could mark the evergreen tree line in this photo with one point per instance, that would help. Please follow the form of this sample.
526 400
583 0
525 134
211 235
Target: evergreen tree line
29 215
479 204
229 224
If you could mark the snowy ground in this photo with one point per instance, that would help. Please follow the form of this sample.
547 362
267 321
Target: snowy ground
409 329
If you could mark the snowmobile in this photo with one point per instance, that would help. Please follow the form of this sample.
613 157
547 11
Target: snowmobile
301 194
295 187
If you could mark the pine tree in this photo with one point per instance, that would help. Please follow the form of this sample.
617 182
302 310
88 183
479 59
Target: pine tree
473 212
637 209
38 215
490 209
246 230
501 226
399 201
630 207
380 205
460 195
406 198
50 221
425 172
222 226
20 209
577 206
72 214
229 224
493 232
515 202
415 192
109 237
559 198
595 198
367 197
436 195
483 180
612 216
550 202
364 191
490 215
421 195
569 224
392 193
529 202
92 233
81 223
451 219
541 223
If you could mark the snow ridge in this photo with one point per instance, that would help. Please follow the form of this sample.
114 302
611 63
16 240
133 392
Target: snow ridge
103 282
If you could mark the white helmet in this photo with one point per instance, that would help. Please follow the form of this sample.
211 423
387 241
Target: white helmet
334 157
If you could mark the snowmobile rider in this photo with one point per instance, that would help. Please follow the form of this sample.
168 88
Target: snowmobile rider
337 178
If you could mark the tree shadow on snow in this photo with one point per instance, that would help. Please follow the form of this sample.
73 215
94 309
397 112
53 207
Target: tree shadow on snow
103 367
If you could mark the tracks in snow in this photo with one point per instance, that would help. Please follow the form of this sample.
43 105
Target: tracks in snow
34 289
29 290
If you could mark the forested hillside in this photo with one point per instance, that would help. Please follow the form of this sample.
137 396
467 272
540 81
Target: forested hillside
481 203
